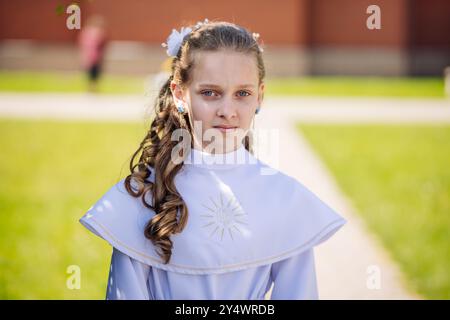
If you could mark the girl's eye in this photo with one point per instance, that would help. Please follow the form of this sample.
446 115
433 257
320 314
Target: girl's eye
207 91
247 94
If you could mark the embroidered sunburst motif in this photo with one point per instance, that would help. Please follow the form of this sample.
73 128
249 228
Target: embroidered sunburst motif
224 215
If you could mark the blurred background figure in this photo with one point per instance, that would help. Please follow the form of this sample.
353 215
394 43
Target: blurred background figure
92 42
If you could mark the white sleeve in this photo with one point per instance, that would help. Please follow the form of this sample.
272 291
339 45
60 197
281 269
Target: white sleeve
128 278
295 278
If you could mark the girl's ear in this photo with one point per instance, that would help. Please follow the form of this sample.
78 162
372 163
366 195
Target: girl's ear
178 95
177 91
261 93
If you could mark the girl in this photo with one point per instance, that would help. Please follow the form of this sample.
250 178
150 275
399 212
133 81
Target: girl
202 218
92 42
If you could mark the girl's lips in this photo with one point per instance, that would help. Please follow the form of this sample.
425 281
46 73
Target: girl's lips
225 129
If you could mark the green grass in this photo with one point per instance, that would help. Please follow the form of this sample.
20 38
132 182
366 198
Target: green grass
67 82
51 173
358 87
301 86
399 180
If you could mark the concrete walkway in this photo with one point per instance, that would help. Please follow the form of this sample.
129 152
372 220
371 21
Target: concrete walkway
111 107
347 260
346 263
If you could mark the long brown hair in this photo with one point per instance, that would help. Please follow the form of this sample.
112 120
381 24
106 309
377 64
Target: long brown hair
154 152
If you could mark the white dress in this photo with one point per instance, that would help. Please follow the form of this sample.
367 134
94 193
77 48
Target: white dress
249 226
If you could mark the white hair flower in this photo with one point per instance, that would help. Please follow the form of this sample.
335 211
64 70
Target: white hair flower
256 38
200 23
175 40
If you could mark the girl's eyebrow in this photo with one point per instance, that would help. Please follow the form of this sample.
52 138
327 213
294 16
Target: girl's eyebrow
210 85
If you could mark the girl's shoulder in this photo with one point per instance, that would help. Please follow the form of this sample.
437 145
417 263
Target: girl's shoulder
264 224
120 219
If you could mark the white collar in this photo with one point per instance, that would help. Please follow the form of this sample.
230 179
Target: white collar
202 159
279 218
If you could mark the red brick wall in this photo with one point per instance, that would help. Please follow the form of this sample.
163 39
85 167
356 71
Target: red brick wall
430 23
343 23
287 22
278 22
25 19
153 21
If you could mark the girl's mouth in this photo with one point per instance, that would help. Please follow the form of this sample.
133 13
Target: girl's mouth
225 128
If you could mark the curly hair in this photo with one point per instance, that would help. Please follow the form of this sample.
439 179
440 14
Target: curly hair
154 152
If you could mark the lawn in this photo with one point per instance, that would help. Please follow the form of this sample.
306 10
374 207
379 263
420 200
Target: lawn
67 82
51 173
300 86
398 178
358 87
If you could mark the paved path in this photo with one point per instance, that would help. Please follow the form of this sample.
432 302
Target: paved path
111 107
346 262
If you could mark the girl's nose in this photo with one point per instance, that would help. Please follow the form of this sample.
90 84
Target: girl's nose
227 109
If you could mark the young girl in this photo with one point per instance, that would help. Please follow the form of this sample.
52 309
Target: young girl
199 216
92 42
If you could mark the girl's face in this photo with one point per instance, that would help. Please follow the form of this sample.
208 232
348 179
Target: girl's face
224 92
